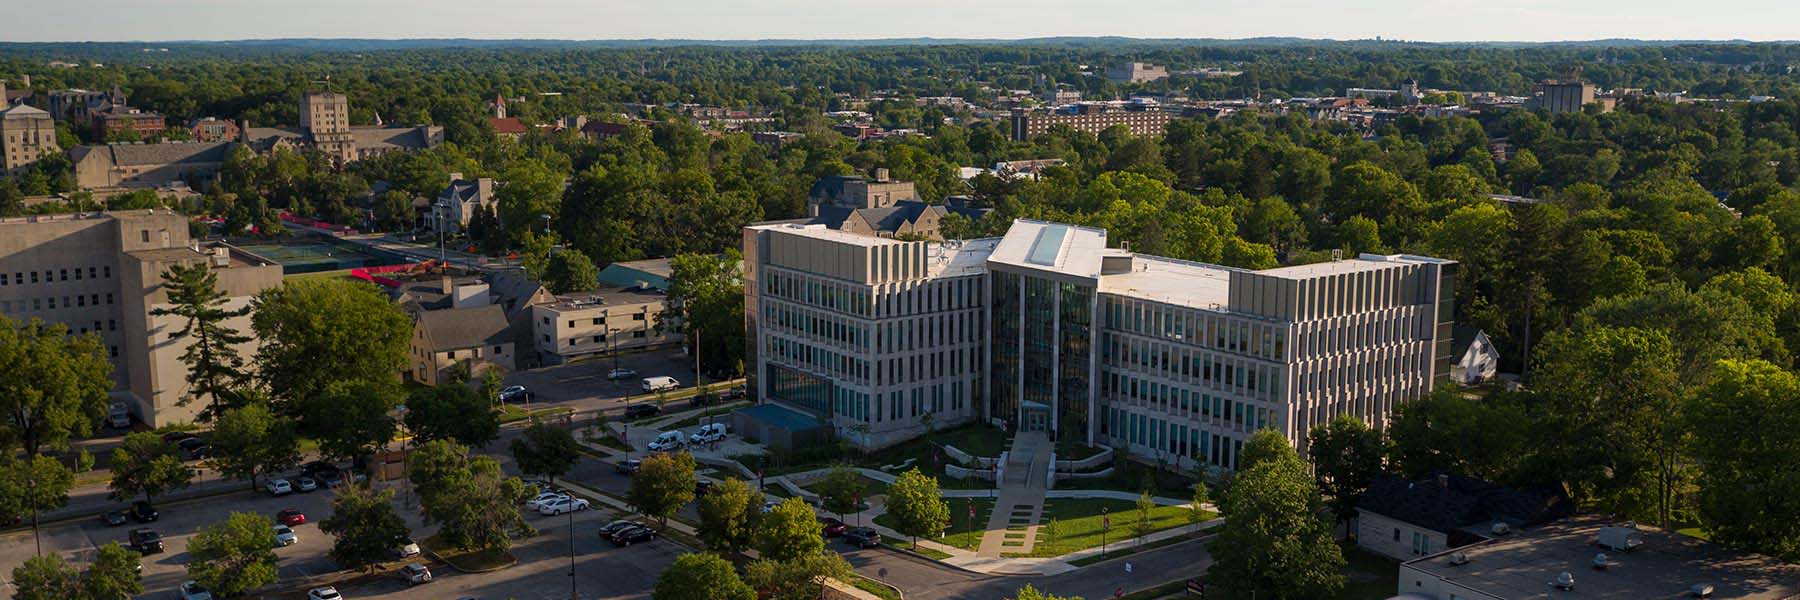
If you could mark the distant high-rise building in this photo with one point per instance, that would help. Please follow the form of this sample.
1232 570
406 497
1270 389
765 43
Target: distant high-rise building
1136 72
26 133
1090 118
326 117
1563 96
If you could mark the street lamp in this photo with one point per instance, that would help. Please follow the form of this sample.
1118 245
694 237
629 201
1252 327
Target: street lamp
442 207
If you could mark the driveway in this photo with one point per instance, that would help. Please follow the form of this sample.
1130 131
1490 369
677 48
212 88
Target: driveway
580 384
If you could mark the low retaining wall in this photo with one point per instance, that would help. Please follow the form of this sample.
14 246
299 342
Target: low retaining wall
1104 457
1100 474
966 473
985 462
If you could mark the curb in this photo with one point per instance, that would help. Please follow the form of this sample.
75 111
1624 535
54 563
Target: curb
25 526
934 561
1125 556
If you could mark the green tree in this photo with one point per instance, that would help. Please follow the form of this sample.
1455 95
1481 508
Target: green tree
840 489
1742 439
475 506
53 384
452 412
570 271
918 507
145 464
364 527
320 332
530 190
701 577
546 450
797 579
1346 455
235 556
251 442
29 486
728 515
1197 512
352 417
706 301
114 574
1445 431
393 211
1265 444
1031 593
46 577
1275 542
215 371
1140 526
663 484
788 532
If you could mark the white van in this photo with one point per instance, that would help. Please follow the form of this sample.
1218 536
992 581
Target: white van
710 432
668 440
118 415
657 384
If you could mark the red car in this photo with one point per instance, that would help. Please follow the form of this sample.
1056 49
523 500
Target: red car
290 517
833 527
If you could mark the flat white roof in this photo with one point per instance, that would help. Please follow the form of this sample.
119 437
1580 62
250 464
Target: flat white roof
1053 247
1177 282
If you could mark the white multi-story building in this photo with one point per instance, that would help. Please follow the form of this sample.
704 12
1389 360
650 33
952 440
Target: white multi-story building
1048 329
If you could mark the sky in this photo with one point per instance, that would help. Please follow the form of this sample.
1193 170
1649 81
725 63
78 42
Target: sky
1418 20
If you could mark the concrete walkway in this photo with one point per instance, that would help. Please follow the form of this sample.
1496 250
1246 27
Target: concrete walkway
1012 528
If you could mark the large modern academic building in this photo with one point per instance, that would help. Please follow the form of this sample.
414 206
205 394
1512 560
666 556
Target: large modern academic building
1049 329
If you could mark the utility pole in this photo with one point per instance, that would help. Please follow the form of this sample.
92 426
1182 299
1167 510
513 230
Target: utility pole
572 594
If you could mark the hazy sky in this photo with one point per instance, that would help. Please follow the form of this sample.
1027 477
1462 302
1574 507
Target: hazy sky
1425 20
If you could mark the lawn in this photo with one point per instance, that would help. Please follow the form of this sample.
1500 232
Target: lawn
907 545
1071 448
469 562
1079 524
962 532
1368 576
977 439
511 414
870 487
1136 477
880 590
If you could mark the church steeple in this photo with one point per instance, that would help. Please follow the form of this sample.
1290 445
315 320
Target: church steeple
499 106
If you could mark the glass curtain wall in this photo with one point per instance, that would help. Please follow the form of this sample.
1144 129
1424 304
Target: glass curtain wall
801 389
1040 343
1075 347
1003 373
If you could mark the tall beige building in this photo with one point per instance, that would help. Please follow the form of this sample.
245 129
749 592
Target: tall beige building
326 117
26 134
102 273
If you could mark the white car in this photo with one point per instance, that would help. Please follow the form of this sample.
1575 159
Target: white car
285 536
562 505
709 433
620 373
279 487
407 548
191 590
544 498
323 593
416 574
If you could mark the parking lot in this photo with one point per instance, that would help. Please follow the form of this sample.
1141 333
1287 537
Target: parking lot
586 380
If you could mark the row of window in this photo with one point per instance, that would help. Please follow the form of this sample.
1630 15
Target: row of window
887 336
1186 364
1165 436
597 339
880 301
1181 402
50 302
1362 330
49 276
1212 330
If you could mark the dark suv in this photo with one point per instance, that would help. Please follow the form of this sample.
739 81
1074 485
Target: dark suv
146 541
639 411
862 537
144 512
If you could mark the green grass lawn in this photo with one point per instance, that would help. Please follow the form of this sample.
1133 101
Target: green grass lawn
1071 448
870 487
907 545
1136 477
977 439
962 532
511 414
1368 576
880 590
469 562
1079 524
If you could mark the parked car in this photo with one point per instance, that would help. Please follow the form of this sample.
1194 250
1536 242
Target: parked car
279 487
628 466
639 411
515 393
190 444
635 534
314 468
735 393
769 507
702 487
709 433
544 486
330 479
113 518
406 548
144 512
862 537
416 574
620 373
285 536
175 437
191 590
668 440
832 527
657 384
608 529
323 593
562 505
200 452
145 540
304 484
291 517
544 498
118 416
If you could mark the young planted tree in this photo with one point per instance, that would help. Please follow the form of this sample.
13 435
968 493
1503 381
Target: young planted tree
364 526
1346 456
663 484
917 505
1276 542
546 450
701 577
1140 527
251 442
728 514
235 556
840 489
788 532
53 384
145 464
215 371
114 574
453 412
1197 512
1031 593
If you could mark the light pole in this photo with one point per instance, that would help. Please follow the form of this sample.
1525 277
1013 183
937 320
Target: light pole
441 208
571 513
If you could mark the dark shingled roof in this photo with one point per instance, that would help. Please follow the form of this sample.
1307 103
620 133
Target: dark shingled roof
458 328
1448 503
831 187
890 218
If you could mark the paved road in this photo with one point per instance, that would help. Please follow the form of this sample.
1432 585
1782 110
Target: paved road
923 579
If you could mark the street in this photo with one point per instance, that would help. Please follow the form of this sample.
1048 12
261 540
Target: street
923 579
